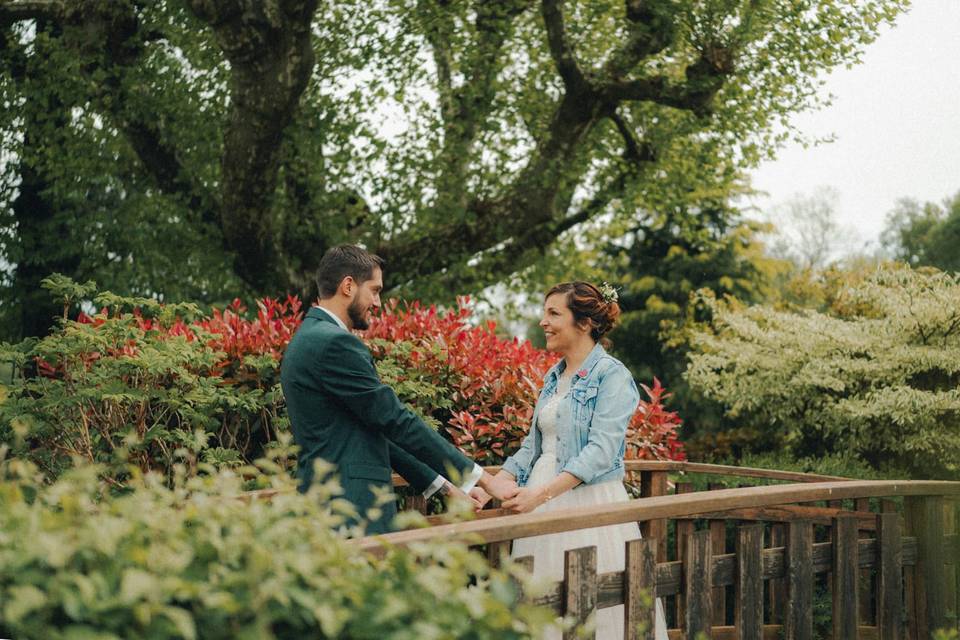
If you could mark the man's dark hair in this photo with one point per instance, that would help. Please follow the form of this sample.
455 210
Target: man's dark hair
345 260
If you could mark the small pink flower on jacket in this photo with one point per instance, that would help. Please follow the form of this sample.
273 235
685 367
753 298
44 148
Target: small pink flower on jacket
582 373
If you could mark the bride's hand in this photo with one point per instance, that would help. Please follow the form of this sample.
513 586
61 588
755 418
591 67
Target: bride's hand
526 500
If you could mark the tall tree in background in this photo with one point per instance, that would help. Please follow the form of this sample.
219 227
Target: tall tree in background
925 234
218 147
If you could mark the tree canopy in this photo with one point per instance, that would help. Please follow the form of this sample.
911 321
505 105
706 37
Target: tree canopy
200 149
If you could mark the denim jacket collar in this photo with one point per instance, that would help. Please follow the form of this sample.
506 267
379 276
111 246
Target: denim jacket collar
553 375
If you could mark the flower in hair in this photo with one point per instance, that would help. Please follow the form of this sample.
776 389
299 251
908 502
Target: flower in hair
608 292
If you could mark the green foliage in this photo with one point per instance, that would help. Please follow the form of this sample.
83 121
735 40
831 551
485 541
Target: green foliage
131 124
879 376
192 561
925 235
658 268
134 386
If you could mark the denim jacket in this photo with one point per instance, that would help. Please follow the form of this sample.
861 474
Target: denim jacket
591 426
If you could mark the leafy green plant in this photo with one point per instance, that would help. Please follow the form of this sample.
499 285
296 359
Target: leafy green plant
139 380
878 376
189 560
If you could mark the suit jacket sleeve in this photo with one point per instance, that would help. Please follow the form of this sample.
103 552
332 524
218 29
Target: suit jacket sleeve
346 371
419 475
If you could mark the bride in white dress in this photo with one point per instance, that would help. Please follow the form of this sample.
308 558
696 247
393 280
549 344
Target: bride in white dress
573 455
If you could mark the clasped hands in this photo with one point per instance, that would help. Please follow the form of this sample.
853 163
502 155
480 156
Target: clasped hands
504 487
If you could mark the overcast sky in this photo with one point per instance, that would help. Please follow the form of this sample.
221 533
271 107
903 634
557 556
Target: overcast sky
896 119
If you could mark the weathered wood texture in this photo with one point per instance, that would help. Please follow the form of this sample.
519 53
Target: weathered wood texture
698 585
798 616
845 572
889 577
748 609
580 588
640 571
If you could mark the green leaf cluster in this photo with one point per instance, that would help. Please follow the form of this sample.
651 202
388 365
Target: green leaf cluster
877 376
117 391
192 561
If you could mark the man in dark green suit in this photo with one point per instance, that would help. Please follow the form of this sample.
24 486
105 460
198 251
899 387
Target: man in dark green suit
341 412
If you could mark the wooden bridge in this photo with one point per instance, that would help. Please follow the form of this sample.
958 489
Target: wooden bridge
747 562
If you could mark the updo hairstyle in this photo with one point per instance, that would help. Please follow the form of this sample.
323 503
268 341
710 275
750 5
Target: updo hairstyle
588 305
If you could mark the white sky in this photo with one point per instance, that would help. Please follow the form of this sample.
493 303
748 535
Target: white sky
896 118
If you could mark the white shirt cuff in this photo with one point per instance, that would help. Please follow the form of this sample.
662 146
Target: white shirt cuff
471 479
435 486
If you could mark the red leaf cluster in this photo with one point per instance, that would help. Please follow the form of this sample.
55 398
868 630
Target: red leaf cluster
652 434
494 382
491 382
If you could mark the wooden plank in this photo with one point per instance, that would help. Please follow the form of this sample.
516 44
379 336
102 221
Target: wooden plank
866 599
497 552
889 577
930 570
670 574
580 588
787 513
723 470
777 589
798 619
718 546
845 574
640 570
683 528
654 484
698 584
531 524
748 609
770 632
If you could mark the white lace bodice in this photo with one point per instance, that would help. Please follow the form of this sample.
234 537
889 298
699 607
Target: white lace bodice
547 420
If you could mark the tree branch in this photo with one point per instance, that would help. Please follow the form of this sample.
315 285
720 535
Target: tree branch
650 29
271 59
560 48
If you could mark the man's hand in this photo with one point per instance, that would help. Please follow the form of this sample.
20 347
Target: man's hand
526 500
480 497
453 492
501 486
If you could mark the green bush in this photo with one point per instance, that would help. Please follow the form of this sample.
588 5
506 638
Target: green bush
878 376
190 560
139 379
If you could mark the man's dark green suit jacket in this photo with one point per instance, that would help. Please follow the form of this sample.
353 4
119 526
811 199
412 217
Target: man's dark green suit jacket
340 411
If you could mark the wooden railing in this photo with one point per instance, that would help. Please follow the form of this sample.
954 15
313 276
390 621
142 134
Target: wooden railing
891 569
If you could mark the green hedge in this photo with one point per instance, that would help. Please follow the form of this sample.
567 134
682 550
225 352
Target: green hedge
192 561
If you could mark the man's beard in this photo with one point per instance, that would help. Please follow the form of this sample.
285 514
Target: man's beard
357 314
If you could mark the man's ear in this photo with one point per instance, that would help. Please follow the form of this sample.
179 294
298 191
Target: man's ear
347 285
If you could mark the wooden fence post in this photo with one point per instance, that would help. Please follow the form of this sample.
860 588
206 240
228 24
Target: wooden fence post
845 570
640 578
699 585
799 564
867 610
889 577
749 593
683 528
654 483
580 588
718 543
777 595
926 516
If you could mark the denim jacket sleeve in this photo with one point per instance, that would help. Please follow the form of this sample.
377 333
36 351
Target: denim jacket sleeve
523 458
617 399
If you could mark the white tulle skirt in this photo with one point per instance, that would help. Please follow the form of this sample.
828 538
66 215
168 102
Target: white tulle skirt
548 550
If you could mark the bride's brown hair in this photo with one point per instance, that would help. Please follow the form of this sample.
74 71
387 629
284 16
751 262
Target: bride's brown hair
589 305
